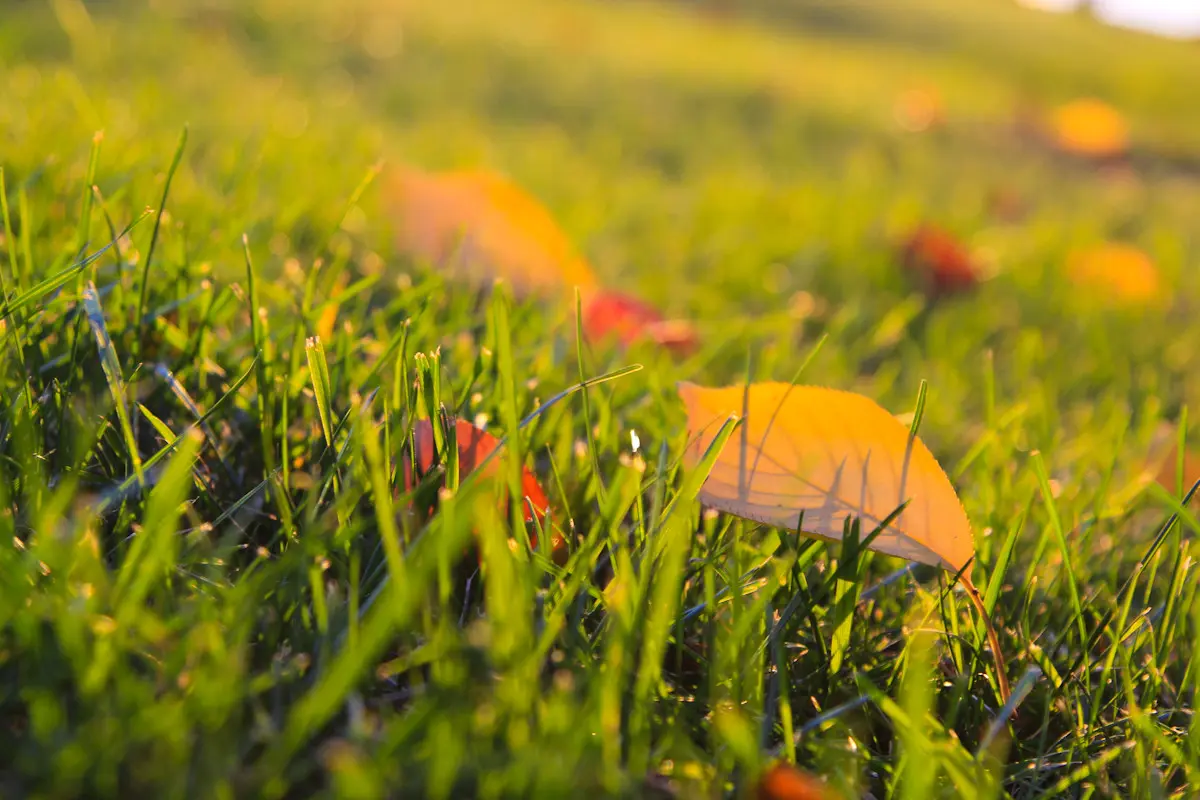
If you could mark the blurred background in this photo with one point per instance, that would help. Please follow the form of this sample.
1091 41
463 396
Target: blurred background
745 163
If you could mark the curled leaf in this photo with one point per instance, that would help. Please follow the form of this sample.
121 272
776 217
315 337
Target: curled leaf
624 317
480 227
938 261
1115 272
831 455
1091 128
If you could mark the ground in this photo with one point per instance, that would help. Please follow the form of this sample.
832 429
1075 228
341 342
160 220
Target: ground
209 592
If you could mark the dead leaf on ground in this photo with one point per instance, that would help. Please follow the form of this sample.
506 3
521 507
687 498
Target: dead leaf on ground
782 781
1115 272
1162 463
1091 128
480 227
939 262
919 109
329 314
621 316
832 455
474 445
1168 473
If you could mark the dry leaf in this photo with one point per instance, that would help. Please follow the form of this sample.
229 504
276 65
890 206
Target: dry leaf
938 261
1116 272
329 315
628 319
474 445
1162 462
480 227
1168 473
919 109
832 455
783 781
1091 128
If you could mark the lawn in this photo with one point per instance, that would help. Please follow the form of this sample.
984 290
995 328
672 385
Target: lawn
215 581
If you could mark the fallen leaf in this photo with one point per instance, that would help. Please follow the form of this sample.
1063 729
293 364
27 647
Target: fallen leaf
832 455
1162 462
624 317
480 227
938 261
782 781
1116 272
1091 128
1168 473
474 445
329 315
919 109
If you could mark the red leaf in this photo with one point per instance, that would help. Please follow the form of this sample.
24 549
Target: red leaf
474 445
628 319
784 782
939 261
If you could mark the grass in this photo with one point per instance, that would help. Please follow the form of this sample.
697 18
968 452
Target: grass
207 589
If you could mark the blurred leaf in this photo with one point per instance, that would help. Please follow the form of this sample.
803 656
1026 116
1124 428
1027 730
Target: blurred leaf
480 226
783 781
610 314
919 109
1090 127
938 261
1115 272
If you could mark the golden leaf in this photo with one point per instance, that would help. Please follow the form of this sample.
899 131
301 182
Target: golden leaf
1117 272
1090 128
832 455
919 109
481 227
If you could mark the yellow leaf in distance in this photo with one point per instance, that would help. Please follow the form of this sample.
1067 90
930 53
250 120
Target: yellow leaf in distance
1116 272
480 227
1090 128
833 455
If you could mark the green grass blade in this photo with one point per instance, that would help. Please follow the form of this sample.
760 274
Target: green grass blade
112 373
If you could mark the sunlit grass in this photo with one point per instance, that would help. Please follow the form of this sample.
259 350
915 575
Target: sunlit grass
214 580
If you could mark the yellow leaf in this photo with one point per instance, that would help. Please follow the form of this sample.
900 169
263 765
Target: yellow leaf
1090 128
328 316
1116 272
480 227
832 455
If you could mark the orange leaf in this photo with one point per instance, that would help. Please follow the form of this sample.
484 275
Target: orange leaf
919 109
1163 461
782 781
328 316
938 261
831 455
481 227
1091 128
1168 470
474 445
1117 272
628 319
